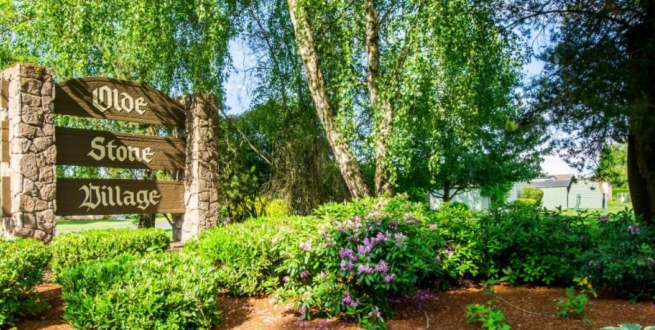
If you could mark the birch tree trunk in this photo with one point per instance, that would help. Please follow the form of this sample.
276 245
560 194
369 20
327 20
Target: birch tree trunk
383 112
348 165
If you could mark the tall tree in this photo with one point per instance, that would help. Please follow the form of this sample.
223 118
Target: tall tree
613 165
409 66
597 85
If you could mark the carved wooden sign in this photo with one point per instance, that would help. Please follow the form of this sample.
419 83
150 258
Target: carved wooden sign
107 98
101 148
109 196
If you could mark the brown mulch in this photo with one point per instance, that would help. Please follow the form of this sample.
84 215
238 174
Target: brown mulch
531 308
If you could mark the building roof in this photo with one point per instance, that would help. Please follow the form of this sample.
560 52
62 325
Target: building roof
553 180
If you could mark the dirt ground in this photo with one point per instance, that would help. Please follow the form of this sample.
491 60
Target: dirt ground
525 307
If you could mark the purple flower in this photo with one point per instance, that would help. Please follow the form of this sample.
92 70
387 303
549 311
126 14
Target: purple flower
305 246
304 274
437 258
382 267
603 218
389 278
634 230
302 310
375 314
432 226
343 253
348 300
286 279
364 269
346 265
400 238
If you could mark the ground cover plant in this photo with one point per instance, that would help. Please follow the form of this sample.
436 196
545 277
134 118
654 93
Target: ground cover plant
22 264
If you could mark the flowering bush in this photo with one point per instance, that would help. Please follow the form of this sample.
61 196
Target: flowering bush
368 252
622 257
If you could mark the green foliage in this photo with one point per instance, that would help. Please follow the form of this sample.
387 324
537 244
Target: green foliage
23 262
532 193
368 251
246 255
155 291
613 166
629 326
70 249
277 208
525 202
490 316
574 304
622 257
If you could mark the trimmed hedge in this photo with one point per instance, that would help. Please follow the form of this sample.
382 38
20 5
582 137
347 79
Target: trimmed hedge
22 264
70 249
156 291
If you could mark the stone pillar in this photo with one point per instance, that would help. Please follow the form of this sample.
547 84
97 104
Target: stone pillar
32 152
201 172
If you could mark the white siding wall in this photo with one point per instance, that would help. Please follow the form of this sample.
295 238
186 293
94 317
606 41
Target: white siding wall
591 196
554 197
472 198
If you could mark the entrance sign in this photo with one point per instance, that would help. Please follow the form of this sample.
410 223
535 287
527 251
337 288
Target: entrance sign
107 149
109 196
107 98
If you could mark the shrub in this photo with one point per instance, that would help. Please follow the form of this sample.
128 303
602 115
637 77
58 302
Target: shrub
70 249
622 257
22 264
532 193
247 254
156 291
369 251
525 202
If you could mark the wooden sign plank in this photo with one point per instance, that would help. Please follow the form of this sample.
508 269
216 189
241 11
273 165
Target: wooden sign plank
4 129
109 196
6 196
82 147
4 94
101 97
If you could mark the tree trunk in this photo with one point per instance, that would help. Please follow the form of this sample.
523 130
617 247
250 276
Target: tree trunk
383 112
641 182
348 165
446 192
641 142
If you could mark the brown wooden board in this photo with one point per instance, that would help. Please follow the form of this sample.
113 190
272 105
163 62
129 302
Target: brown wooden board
4 91
109 196
101 97
6 196
4 128
82 147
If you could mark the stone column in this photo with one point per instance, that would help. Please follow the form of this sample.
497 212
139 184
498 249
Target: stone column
201 173
32 152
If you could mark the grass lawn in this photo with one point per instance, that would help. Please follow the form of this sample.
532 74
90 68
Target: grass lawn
612 207
67 225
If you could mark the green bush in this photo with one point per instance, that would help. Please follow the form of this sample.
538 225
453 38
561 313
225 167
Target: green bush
367 251
155 291
247 254
22 264
622 257
532 193
70 249
526 202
